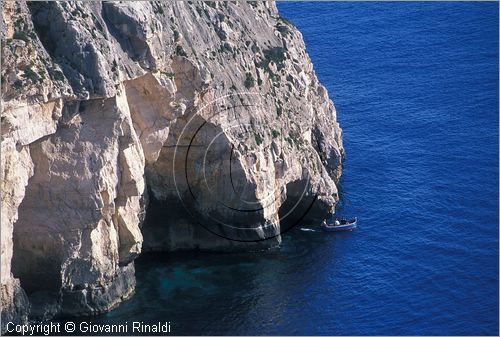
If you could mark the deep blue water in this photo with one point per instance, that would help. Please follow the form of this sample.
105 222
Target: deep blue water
416 91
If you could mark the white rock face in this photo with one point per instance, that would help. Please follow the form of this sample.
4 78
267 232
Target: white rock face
16 169
151 126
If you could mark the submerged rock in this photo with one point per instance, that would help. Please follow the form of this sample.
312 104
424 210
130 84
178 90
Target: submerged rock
204 118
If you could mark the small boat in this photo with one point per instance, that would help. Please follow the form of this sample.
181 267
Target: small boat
344 225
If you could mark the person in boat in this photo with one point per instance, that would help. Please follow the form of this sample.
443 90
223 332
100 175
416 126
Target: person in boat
335 223
325 224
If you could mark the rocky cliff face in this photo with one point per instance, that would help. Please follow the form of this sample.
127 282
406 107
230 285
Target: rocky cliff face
151 126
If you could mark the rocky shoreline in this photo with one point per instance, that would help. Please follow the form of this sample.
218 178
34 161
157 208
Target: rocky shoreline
151 126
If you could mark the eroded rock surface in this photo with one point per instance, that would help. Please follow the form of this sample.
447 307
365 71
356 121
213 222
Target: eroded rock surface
131 126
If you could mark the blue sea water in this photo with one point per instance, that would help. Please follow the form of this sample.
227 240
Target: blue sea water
416 91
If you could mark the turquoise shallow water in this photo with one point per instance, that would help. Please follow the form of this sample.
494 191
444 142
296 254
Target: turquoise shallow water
416 90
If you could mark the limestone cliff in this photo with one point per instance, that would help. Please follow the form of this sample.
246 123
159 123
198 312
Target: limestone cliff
131 126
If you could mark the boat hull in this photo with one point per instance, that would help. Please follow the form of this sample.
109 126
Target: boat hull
341 228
